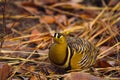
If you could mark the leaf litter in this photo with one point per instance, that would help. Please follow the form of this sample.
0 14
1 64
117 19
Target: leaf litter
33 23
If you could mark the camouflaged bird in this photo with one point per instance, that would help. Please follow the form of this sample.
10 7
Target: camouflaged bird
72 52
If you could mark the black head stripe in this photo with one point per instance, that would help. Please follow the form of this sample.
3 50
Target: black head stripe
57 35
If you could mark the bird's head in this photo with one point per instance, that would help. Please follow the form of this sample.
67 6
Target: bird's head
59 38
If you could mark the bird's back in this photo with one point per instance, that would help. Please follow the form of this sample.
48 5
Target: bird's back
83 53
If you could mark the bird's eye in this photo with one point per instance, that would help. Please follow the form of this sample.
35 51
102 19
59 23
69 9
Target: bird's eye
59 35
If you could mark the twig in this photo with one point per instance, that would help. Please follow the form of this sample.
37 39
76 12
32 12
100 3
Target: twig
99 32
61 11
21 16
68 30
100 14
22 59
101 55
27 36
79 6
115 21
23 63
105 40
108 68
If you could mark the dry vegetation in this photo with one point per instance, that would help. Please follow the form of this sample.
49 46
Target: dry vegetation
27 28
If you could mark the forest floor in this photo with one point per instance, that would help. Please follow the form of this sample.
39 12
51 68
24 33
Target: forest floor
27 27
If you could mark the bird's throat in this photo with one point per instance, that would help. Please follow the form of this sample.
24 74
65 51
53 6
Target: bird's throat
58 54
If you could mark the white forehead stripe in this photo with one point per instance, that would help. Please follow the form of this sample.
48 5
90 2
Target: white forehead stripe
56 35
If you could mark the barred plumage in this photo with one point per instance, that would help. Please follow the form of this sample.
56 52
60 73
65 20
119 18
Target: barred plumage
72 53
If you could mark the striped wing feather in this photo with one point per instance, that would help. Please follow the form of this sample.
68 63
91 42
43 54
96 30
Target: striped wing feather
83 52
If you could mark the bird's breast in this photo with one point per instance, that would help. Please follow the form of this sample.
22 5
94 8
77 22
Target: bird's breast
57 54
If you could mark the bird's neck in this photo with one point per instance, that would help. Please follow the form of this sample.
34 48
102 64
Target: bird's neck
61 49
59 53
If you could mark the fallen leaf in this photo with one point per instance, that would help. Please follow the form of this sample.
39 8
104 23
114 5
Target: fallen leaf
102 63
29 6
35 31
61 19
44 1
47 19
4 70
13 24
33 78
81 76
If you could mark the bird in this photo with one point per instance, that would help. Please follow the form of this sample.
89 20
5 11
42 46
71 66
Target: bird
72 53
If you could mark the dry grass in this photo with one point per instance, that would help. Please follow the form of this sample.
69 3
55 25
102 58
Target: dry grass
101 30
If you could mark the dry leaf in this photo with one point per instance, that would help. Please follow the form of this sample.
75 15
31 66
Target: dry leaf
38 2
81 76
29 6
47 19
31 68
35 31
34 78
102 63
4 70
61 19
13 24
